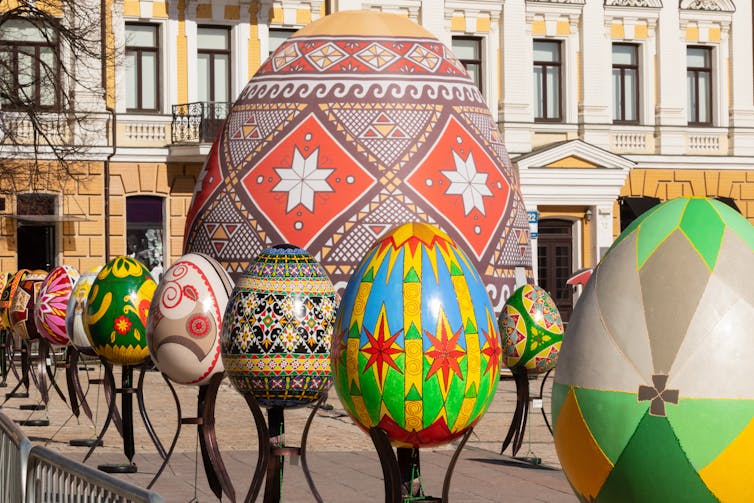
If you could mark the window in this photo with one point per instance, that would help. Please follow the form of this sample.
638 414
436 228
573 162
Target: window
144 231
214 64
468 50
142 67
625 83
28 65
699 85
547 78
278 36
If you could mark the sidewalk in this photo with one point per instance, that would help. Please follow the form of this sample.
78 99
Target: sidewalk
341 457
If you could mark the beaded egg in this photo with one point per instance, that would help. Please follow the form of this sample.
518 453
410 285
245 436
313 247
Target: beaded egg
277 329
21 312
653 398
185 319
415 348
357 123
116 313
532 330
52 303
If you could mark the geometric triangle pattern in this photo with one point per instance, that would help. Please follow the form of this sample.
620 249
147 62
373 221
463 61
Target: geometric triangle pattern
655 357
331 130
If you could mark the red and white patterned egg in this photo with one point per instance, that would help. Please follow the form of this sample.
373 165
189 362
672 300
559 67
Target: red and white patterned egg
185 318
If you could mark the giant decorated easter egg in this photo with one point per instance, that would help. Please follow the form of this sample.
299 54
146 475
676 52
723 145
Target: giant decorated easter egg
653 398
116 313
185 319
415 349
277 329
531 330
21 312
6 293
357 123
74 315
52 303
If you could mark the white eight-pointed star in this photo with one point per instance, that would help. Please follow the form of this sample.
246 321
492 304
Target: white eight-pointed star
468 183
302 180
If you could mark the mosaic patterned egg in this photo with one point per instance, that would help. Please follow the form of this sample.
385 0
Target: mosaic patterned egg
116 313
277 329
531 329
653 398
330 145
52 302
416 349
185 319
21 311
74 315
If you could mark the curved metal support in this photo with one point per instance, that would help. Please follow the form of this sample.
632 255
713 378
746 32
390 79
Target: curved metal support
518 425
214 468
304 438
51 374
390 471
43 353
169 453
452 465
263 437
11 352
541 396
109 382
145 416
72 379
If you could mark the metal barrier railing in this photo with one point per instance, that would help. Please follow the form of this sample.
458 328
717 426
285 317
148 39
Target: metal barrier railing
14 453
51 477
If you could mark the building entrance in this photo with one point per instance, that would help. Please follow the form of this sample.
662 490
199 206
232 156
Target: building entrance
555 262
36 246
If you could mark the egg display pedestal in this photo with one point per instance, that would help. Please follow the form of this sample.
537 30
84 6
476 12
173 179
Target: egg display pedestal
45 371
22 375
126 414
5 338
515 435
269 464
77 395
214 468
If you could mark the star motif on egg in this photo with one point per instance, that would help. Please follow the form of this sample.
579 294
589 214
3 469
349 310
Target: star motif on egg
468 183
303 180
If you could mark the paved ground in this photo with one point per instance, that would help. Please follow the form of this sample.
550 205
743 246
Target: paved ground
342 459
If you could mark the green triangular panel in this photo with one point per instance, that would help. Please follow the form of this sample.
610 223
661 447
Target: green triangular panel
704 229
471 392
353 332
470 327
559 392
355 391
413 333
736 221
412 277
631 228
654 231
706 427
654 468
368 276
612 417
413 394
455 270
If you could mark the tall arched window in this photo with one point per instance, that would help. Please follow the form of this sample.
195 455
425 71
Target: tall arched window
145 223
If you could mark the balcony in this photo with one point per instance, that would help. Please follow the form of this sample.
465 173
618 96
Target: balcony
195 127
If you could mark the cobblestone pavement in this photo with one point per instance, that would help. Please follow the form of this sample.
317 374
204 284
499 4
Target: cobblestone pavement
342 459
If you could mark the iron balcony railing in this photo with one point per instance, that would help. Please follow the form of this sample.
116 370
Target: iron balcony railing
199 122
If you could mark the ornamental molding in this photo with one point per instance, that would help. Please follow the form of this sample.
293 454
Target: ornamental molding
708 5
654 4
571 2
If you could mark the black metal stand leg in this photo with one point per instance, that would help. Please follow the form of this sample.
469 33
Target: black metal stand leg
109 381
4 352
273 484
214 468
71 378
452 466
43 352
145 416
181 421
49 365
390 471
541 396
518 425
304 438
263 438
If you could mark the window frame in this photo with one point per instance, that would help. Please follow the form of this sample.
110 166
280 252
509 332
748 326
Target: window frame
212 53
139 51
623 67
544 65
479 62
697 70
15 47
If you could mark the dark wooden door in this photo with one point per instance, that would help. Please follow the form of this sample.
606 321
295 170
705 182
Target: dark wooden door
555 262
36 246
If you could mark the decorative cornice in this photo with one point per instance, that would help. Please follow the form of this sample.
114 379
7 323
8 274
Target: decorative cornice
656 4
708 5
572 2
